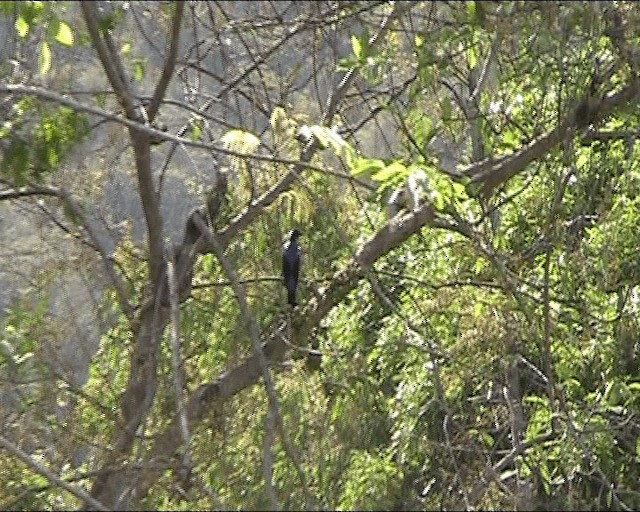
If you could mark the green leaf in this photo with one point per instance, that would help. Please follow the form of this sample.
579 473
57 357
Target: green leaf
37 8
437 199
367 166
510 139
196 131
447 108
472 56
546 477
22 26
350 155
346 64
278 118
614 393
101 99
471 11
16 161
479 266
45 58
5 129
109 21
459 191
65 34
357 47
582 159
421 127
139 68
7 7
389 172
634 386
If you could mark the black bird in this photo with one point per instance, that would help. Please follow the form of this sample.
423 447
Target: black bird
291 265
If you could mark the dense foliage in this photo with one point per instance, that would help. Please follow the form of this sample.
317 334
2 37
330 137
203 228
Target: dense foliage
476 347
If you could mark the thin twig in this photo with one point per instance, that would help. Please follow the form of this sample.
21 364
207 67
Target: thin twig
70 203
49 475
170 62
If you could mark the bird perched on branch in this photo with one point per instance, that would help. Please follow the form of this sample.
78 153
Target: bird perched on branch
291 265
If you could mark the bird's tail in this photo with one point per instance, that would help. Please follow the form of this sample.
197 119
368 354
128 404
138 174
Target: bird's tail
291 295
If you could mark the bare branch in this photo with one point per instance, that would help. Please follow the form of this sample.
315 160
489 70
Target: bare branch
110 60
492 472
169 64
49 475
267 458
40 92
178 374
78 211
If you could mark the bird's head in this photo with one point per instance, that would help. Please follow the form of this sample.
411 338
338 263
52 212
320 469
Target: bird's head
295 234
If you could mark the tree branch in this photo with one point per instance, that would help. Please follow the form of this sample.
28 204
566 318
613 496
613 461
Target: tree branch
49 475
258 353
490 174
40 92
169 64
75 209
257 206
176 361
109 60
208 398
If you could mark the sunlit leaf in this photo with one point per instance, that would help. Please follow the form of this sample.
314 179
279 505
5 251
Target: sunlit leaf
634 387
240 140
328 137
357 47
471 10
510 139
139 69
65 34
583 158
44 61
367 166
22 26
390 171
459 190
196 131
472 55
546 476
277 119
438 199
